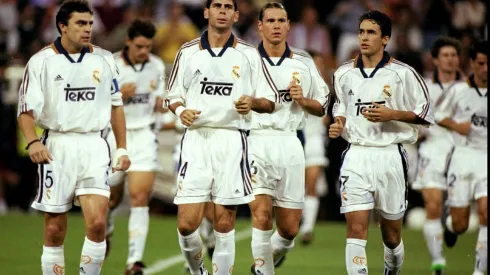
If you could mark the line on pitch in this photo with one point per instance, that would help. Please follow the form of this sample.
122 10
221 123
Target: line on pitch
166 263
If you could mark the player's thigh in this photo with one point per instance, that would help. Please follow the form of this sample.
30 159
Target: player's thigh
392 183
224 218
140 185
433 198
287 221
261 210
312 174
189 217
195 174
94 208
230 167
391 231
57 179
117 194
357 224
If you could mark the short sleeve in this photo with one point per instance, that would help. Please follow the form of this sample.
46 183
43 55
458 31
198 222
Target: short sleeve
319 89
446 106
31 96
116 96
175 86
417 96
340 104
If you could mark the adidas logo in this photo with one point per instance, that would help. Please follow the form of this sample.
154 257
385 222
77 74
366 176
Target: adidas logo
237 191
58 78
350 93
82 270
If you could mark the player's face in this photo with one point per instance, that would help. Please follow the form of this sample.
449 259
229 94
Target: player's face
79 28
447 61
480 67
370 39
221 14
139 48
274 26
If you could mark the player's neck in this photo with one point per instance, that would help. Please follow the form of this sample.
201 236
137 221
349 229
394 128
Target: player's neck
68 46
132 59
218 39
274 50
446 77
373 60
480 83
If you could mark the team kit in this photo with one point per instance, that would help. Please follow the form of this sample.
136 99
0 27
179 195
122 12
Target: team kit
252 124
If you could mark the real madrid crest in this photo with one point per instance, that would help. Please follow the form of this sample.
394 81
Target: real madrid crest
387 93
96 76
236 72
297 77
153 85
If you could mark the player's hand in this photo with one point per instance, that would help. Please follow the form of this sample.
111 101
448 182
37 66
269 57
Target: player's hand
463 128
379 113
243 105
121 160
336 128
128 90
296 92
159 108
188 116
39 154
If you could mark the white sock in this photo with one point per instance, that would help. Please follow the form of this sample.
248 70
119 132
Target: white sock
433 239
481 250
110 222
310 212
449 224
280 246
191 247
224 253
355 257
394 259
92 257
206 229
139 222
53 260
262 251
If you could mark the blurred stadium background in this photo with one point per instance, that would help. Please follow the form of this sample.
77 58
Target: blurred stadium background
326 27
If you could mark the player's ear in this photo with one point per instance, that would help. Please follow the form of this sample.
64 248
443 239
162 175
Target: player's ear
235 18
289 25
206 13
259 25
385 40
127 41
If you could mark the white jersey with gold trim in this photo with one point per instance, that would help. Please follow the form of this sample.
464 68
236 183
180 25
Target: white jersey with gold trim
149 80
211 80
467 102
276 75
393 84
70 92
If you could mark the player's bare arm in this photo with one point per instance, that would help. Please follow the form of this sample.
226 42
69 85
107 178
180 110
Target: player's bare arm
309 105
336 128
382 113
121 160
460 128
187 116
260 105
38 153
128 90
159 105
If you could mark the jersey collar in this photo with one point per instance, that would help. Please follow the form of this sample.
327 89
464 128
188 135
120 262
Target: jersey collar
384 61
204 44
435 78
472 84
58 48
263 53
127 61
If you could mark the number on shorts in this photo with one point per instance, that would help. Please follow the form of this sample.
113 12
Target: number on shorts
48 177
183 170
451 180
254 168
343 180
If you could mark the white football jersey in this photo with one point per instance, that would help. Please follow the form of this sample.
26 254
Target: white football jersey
466 102
149 80
211 80
393 84
70 92
437 89
276 75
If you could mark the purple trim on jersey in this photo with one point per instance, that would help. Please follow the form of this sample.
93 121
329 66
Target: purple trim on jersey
206 46
110 159
25 85
270 81
245 165
175 69
116 86
181 146
263 54
404 156
41 170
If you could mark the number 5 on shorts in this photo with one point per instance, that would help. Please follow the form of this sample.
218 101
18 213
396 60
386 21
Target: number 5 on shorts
48 180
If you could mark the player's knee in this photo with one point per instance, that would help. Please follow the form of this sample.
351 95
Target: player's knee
139 199
223 226
433 210
357 231
187 227
460 225
482 215
262 219
392 240
289 232
55 233
96 228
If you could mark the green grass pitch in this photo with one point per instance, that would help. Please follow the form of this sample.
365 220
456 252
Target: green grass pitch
21 240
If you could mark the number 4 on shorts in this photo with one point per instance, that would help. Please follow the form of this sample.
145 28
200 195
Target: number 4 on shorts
183 170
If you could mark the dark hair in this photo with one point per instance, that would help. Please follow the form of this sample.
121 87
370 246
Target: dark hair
68 7
140 27
270 5
209 2
443 41
479 47
379 18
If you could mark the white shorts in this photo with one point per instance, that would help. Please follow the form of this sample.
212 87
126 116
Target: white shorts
467 176
142 146
278 168
374 177
80 166
214 167
432 165
315 151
